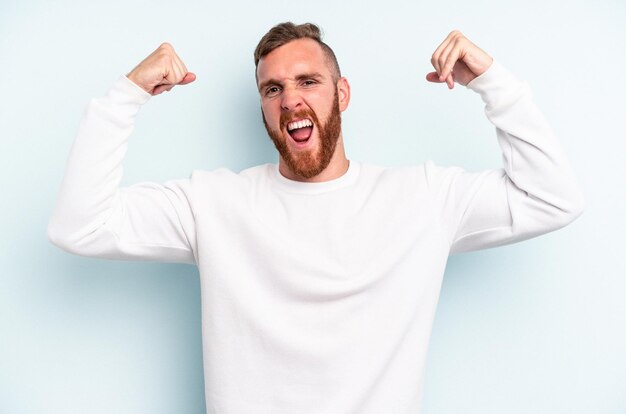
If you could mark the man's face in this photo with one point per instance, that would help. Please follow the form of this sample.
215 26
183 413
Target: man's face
301 105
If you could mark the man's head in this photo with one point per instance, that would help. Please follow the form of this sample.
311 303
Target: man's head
302 97
284 33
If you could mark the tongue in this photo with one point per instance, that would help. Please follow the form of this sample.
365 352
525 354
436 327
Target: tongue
301 134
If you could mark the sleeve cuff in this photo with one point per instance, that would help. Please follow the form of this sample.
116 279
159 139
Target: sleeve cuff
123 101
127 92
496 86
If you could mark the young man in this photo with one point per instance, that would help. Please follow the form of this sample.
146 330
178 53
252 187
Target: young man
319 275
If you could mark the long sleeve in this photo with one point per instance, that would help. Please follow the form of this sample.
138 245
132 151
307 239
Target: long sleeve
94 217
534 193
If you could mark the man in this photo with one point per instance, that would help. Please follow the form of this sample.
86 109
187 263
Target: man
319 275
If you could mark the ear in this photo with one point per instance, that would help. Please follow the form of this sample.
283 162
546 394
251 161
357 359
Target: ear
343 93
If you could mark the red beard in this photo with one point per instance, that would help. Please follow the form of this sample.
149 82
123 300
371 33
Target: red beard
308 164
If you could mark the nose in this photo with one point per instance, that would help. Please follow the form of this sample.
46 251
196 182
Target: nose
291 99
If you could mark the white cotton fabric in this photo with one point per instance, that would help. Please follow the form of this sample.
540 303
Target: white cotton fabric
316 297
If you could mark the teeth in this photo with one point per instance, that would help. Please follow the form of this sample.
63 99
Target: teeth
299 124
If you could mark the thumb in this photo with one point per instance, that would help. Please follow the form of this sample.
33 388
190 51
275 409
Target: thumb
189 77
433 77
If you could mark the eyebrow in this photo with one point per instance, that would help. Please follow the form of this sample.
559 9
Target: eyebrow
301 77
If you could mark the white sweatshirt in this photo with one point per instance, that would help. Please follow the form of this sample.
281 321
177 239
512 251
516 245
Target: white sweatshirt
316 297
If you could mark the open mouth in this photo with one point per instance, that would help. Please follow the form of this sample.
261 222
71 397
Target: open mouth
300 130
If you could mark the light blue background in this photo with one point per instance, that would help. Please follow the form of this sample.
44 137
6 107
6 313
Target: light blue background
537 327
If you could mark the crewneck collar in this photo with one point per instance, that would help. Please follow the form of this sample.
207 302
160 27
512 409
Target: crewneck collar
293 186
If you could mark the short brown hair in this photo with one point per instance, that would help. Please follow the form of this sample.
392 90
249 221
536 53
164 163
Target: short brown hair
284 33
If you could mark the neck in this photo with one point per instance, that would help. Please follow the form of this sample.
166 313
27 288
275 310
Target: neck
337 167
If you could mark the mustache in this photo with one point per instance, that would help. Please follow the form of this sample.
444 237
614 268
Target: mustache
287 117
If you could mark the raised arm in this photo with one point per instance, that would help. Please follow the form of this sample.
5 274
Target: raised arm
536 190
146 221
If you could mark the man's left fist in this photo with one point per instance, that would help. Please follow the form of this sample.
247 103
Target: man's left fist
458 60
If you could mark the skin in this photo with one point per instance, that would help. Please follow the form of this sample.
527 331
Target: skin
161 71
296 77
286 87
458 60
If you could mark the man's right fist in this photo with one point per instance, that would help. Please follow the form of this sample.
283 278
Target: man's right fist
161 71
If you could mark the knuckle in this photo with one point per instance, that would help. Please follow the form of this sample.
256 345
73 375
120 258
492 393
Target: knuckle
165 58
166 46
163 52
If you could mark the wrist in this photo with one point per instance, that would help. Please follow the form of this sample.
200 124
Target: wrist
131 76
132 88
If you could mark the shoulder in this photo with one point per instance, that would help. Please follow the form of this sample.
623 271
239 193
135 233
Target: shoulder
226 174
394 174
227 181
424 178
405 179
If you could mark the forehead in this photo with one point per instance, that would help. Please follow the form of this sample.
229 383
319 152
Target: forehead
289 60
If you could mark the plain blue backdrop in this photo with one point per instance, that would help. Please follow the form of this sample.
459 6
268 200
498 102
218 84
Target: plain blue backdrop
536 327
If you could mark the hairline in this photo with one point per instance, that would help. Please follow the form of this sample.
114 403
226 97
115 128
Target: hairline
329 58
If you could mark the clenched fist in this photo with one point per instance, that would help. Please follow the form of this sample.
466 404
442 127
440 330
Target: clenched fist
161 71
458 59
